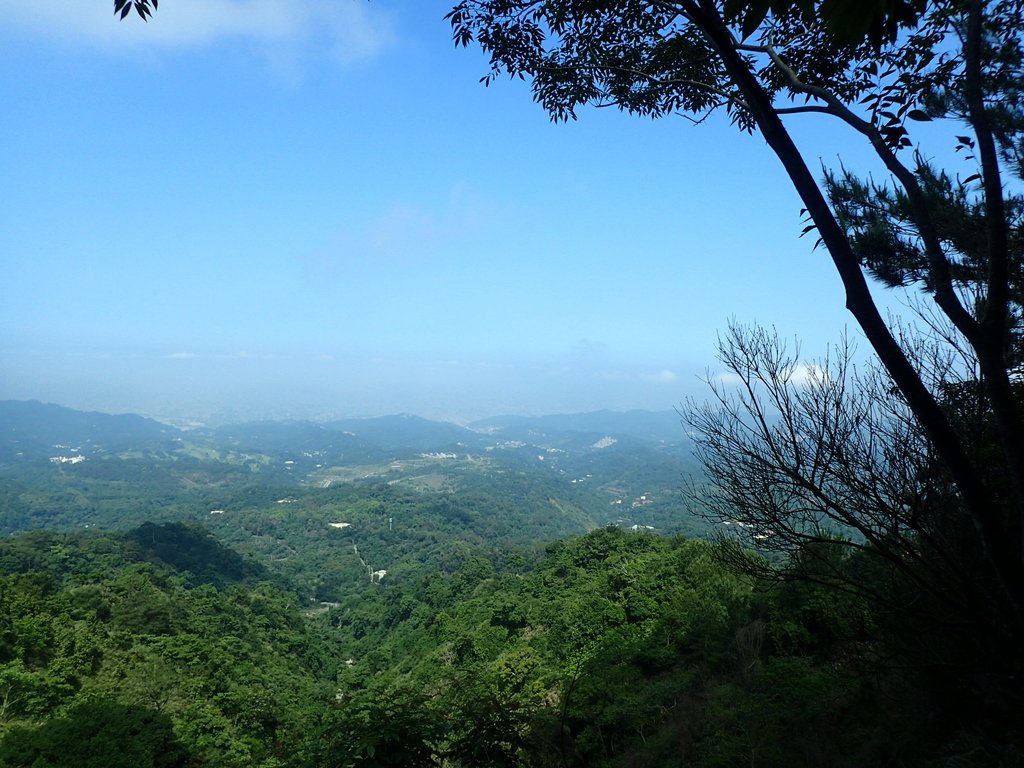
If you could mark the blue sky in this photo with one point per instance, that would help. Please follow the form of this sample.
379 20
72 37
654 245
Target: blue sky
312 208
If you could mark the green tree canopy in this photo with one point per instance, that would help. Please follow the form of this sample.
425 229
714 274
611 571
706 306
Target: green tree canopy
97 734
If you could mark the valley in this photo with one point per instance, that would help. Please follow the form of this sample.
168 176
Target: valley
399 592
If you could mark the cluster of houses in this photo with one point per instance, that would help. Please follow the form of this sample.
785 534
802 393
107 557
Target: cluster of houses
67 459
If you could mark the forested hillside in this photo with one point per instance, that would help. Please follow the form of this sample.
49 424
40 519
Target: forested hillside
160 647
153 647
567 478
209 600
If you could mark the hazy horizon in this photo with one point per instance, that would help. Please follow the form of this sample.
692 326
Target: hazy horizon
222 390
312 210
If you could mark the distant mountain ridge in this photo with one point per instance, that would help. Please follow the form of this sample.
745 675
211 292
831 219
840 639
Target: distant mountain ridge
407 431
32 429
293 437
653 426
59 466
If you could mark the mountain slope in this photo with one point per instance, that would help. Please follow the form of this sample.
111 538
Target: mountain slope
33 429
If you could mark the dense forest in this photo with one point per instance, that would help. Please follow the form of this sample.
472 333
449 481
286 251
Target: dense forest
158 646
194 611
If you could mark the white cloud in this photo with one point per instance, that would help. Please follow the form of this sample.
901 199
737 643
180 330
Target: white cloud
804 374
401 225
182 355
345 30
728 378
662 377
404 229
408 234
800 375
247 355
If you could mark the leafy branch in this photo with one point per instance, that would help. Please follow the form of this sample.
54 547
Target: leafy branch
144 8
